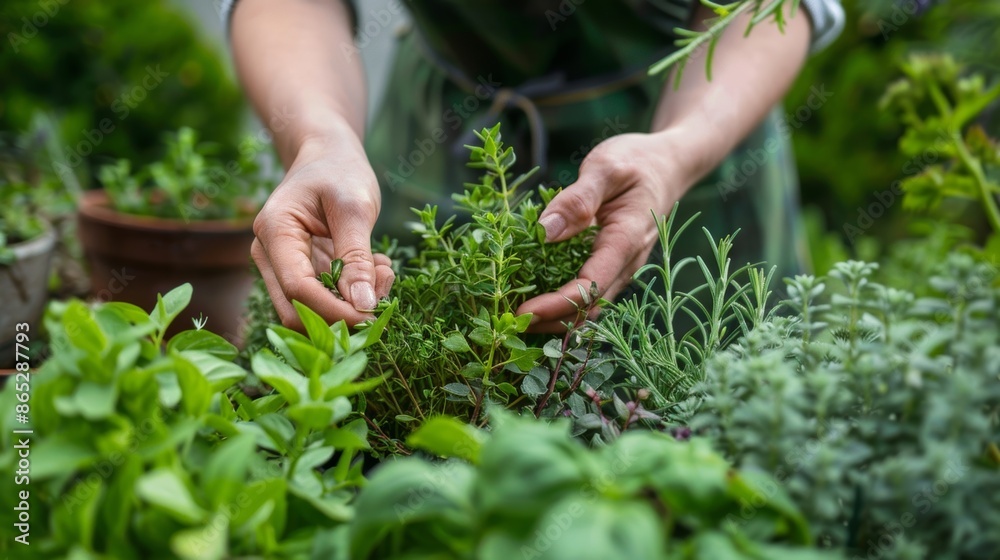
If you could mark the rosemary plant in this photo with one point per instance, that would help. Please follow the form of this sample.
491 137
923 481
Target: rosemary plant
726 15
641 330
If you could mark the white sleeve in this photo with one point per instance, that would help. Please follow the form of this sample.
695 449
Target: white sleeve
226 11
827 21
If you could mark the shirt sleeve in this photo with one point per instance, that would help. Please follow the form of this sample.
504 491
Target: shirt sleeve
827 22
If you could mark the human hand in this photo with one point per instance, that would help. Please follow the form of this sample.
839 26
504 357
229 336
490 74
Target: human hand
622 181
324 209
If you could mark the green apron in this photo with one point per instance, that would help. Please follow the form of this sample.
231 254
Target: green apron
561 77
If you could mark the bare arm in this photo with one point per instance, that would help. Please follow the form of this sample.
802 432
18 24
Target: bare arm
290 56
750 76
694 129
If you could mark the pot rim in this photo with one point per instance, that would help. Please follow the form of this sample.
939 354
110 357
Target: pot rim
40 244
95 205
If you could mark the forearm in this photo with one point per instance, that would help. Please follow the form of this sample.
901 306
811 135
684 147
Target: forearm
749 76
290 58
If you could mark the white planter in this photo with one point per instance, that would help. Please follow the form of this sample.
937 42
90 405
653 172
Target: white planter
24 288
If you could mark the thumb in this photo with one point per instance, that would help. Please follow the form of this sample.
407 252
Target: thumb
357 280
352 244
572 210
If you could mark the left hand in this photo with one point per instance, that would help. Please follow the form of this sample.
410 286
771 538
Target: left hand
622 182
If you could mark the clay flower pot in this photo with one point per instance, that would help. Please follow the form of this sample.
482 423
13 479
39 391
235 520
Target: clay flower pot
133 258
24 286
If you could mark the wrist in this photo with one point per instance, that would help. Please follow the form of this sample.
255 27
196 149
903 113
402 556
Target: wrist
320 135
683 155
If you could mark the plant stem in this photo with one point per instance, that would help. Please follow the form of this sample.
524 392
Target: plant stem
976 168
555 375
708 35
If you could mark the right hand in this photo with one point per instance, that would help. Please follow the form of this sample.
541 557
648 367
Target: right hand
324 209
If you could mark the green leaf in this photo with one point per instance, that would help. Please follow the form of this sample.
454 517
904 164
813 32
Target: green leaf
95 401
521 322
482 336
164 489
448 437
312 361
203 543
225 471
319 415
75 515
351 389
268 497
525 359
280 337
196 393
288 382
119 501
334 507
345 371
553 349
532 384
507 388
374 332
473 370
412 492
606 529
221 374
317 328
276 427
128 312
203 341
59 454
82 329
514 343
352 436
456 343
459 389
169 306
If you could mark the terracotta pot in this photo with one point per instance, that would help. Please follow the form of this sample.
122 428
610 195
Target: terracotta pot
133 258
24 287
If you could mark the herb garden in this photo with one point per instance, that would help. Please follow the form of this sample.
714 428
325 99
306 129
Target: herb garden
849 412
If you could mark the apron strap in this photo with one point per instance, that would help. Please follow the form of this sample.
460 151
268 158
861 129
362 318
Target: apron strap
548 90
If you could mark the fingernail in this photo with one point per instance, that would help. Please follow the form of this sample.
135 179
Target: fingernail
554 225
363 296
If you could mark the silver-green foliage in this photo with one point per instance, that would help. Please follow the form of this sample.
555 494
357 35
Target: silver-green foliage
642 330
877 410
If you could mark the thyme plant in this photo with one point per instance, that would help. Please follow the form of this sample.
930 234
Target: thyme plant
455 343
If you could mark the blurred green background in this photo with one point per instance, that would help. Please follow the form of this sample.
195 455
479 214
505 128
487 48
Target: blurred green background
848 150
140 69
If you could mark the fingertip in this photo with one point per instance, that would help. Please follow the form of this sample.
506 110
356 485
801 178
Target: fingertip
554 225
363 296
384 278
